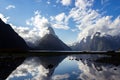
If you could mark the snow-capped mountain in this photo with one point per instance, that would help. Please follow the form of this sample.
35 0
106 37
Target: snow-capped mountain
98 42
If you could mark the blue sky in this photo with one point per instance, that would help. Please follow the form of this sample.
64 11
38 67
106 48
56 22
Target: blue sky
68 18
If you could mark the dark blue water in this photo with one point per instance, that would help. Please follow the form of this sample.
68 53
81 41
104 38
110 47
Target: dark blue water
67 67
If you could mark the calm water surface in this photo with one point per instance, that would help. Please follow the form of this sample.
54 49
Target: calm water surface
67 67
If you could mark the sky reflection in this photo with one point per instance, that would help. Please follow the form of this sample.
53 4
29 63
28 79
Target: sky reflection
73 67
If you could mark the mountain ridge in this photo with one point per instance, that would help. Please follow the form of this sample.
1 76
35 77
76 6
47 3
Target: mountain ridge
98 43
51 42
10 40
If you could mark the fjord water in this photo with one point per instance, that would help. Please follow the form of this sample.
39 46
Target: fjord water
65 67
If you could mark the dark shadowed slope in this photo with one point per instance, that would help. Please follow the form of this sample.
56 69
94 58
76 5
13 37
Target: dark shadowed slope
10 40
51 42
8 64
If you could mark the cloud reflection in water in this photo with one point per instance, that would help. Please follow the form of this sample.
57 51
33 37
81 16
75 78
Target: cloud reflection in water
36 68
74 67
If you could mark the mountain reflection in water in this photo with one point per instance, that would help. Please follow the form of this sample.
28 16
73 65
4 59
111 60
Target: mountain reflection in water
71 67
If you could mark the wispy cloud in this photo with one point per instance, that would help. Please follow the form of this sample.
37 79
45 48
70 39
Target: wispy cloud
105 4
61 77
48 2
5 19
104 1
38 0
10 7
66 2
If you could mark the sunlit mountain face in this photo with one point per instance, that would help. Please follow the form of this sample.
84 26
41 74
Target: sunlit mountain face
72 20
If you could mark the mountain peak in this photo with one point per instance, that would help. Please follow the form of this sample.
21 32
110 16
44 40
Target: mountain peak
51 42
98 42
51 31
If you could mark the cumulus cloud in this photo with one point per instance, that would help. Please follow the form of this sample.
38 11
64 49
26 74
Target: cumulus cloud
83 4
66 2
30 35
39 22
60 21
60 17
10 7
38 27
90 21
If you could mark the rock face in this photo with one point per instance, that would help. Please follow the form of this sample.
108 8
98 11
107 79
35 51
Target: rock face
9 40
51 42
98 43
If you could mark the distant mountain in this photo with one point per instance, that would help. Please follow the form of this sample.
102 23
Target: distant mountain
10 40
51 42
98 43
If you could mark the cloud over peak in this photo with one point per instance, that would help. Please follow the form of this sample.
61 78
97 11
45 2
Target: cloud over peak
38 27
40 23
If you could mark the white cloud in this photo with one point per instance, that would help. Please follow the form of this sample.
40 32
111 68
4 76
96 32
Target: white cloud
74 30
83 4
10 7
60 21
60 77
90 21
40 23
29 35
39 27
60 26
66 2
60 17
48 2
105 25
5 19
